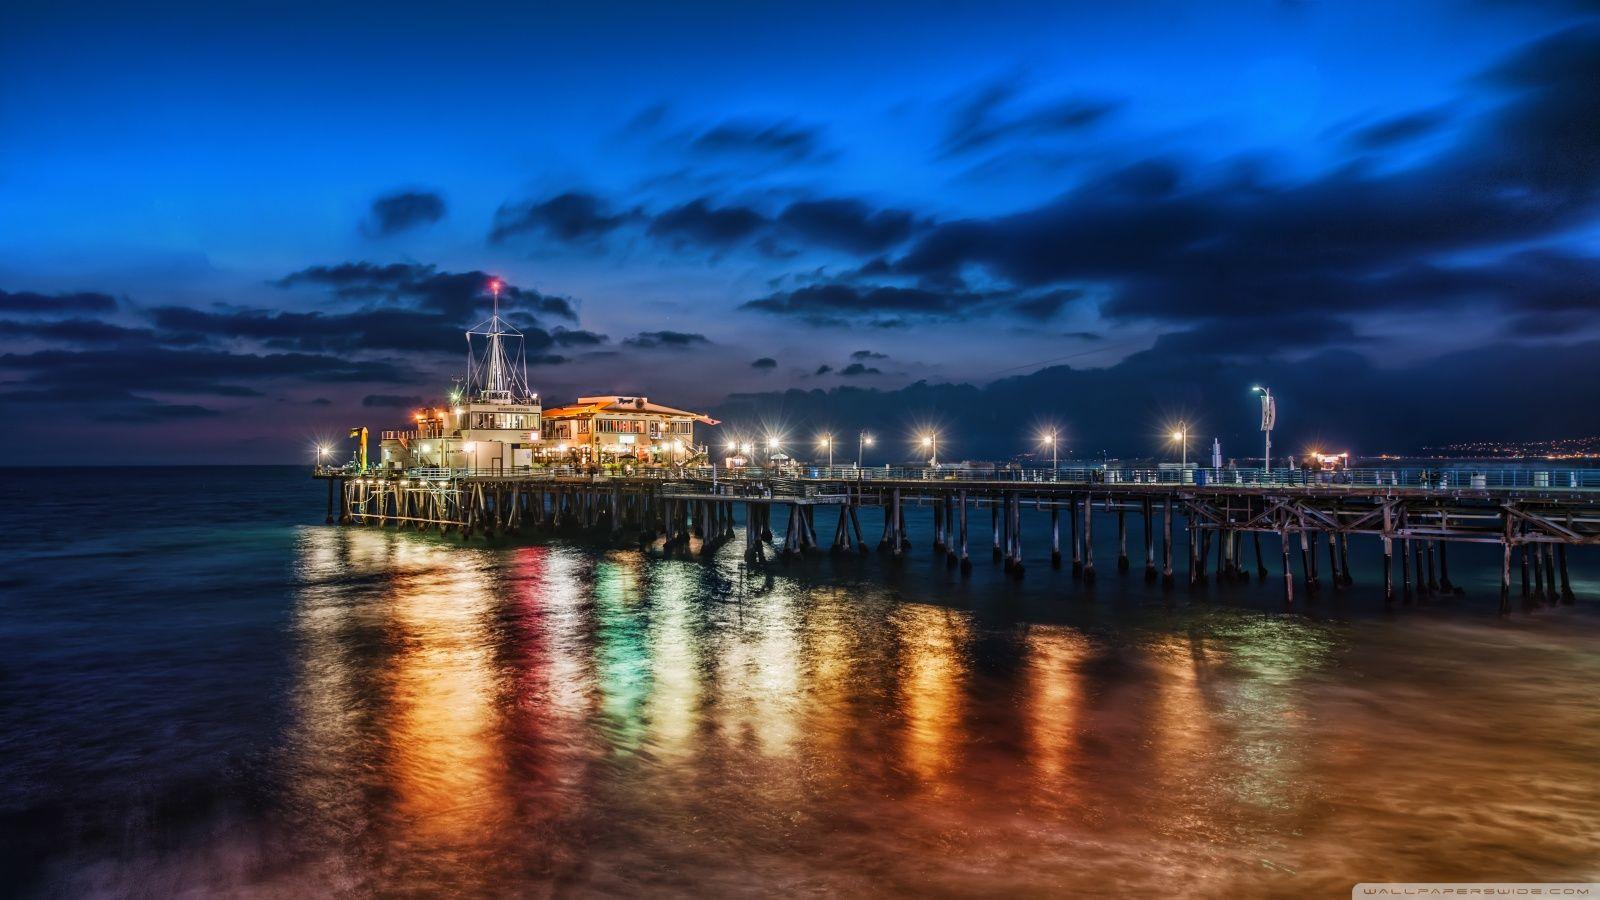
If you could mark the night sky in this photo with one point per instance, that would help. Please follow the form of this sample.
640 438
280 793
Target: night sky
230 230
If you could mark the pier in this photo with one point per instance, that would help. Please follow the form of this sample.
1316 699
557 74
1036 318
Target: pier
1409 516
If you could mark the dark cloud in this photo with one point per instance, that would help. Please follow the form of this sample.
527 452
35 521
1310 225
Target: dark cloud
1166 244
191 371
404 210
1398 130
765 362
990 114
698 222
868 354
665 339
55 304
784 140
1259 337
1325 399
574 217
577 337
1046 305
1552 324
377 329
648 119
823 223
391 401
108 405
823 369
827 303
892 306
460 295
76 331
856 368
1538 280
849 225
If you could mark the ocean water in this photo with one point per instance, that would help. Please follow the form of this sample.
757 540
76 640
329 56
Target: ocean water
206 691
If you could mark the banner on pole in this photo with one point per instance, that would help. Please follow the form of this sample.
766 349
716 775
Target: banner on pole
1269 413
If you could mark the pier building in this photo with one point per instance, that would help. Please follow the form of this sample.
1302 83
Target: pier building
494 422
616 428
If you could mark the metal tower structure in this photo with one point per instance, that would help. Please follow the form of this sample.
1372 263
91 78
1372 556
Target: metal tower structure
498 372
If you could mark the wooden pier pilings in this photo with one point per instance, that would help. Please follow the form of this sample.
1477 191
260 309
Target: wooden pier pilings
1535 526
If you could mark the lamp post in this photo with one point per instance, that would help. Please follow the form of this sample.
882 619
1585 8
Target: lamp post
863 441
1269 418
1055 467
322 454
1182 434
827 441
931 441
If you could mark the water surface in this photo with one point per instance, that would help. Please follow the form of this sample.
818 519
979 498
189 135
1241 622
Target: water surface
206 691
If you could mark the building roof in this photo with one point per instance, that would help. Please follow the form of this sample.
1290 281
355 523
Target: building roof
616 403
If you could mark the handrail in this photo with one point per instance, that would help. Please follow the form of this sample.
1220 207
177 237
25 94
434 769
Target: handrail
797 481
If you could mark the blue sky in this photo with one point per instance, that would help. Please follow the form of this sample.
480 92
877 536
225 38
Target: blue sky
953 194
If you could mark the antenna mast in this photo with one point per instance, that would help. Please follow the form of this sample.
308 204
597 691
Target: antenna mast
494 375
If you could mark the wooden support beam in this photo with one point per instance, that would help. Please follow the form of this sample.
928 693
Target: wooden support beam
966 563
1288 574
899 525
1055 537
1166 543
1194 550
1072 536
1017 566
1344 559
1122 538
1567 597
1149 539
1505 564
1088 538
994 524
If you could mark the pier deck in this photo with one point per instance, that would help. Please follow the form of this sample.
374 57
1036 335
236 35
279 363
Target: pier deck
1417 512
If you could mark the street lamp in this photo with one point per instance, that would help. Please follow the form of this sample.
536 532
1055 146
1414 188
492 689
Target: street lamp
827 441
931 441
863 441
1182 434
1049 437
322 453
1269 418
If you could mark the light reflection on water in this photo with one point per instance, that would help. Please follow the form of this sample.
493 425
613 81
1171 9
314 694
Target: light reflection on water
538 719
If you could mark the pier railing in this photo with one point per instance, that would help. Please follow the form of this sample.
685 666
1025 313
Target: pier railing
792 481
1443 479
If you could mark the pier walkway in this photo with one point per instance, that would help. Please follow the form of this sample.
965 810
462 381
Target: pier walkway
1413 513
